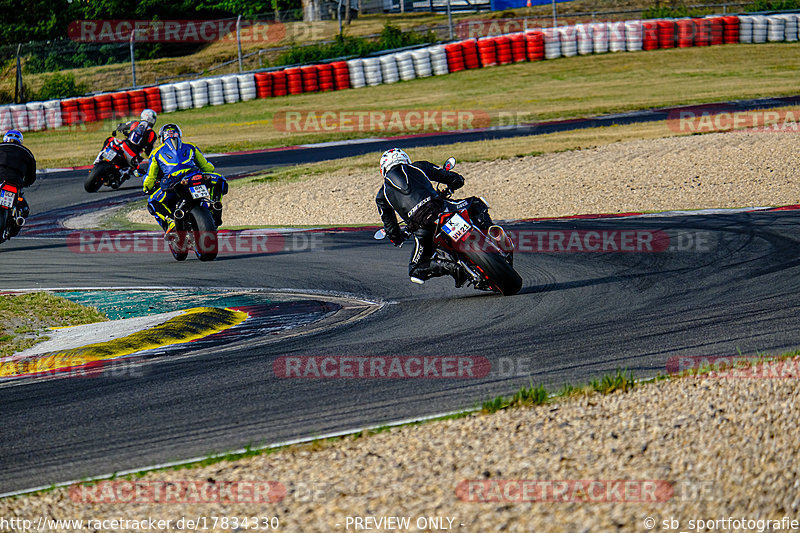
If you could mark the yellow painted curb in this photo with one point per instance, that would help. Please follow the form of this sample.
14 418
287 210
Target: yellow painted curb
193 324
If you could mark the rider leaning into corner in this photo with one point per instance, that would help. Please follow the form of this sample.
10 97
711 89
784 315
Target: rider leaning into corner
139 137
407 190
171 162
17 165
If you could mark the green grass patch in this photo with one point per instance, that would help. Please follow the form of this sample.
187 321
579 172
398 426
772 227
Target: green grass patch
24 318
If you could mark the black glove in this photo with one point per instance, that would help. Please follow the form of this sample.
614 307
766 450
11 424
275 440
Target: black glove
457 181
397 237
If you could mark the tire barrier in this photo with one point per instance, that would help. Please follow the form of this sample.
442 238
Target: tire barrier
119 104
666 34
310 77
280 84
717 25
422 63
230 88
438 60
168 101
69 112
503 47
356 73
702 32
341 75
730 34
36 116
389 71
745 29
263 84
86 109
325 77
583 35
183 95
105 106
487 51
153 98
372 71
518 53
455 57
294 80
5 118
616 37
405 66
216 92
760 28
247 87
634 40
137 102
649 35
19 117
52 113
552 43
534 45
776 28
600 37
569 41
791 27
199 93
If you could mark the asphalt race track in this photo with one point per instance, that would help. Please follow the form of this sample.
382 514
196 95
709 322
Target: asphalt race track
712 284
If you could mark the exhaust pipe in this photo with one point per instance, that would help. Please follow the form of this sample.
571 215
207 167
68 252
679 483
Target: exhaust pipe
19 221
499 235
178 214
217 206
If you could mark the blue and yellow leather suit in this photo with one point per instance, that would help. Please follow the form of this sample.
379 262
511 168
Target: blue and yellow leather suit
166 167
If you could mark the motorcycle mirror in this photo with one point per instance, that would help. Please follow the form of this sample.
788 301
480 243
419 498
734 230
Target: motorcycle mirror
450 163
380 234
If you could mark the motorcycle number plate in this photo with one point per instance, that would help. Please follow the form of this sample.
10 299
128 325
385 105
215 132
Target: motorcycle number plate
108 154
7 199
456 227
199 191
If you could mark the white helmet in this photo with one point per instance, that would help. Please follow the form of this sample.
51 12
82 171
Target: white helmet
392 157
149 116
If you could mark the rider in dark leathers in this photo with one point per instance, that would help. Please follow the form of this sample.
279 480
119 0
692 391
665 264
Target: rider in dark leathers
18 166
407 190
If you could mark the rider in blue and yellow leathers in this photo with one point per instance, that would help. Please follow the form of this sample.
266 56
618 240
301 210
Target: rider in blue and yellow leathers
173 161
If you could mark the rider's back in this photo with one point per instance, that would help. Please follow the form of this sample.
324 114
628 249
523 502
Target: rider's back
17 164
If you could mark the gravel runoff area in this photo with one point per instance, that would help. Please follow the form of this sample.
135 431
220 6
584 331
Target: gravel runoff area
661 455
736 169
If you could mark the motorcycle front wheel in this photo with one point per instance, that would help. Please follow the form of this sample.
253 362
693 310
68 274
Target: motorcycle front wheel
95 178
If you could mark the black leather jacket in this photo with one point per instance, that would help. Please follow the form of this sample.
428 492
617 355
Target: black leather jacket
17 164
407 190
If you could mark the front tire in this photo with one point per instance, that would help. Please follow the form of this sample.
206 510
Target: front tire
95 178
205 234
501 275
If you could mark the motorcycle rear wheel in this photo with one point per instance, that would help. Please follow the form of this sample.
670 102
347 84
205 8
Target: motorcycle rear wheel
205 233
501 275
3 220
95 178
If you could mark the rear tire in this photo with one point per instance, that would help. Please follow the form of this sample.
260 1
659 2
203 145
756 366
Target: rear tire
178 247
205 233
500 273
3 220
95 178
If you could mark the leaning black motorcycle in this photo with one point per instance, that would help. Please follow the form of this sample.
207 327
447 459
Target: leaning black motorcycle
195 226
12 207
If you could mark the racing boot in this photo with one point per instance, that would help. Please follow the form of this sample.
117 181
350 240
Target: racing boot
440 268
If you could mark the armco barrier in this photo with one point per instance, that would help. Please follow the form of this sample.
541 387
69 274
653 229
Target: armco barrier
532 45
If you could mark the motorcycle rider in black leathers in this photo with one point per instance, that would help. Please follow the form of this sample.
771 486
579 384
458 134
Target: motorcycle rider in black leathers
407 190
17 166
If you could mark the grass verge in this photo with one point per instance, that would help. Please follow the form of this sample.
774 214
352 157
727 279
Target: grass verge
25 318
524 92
